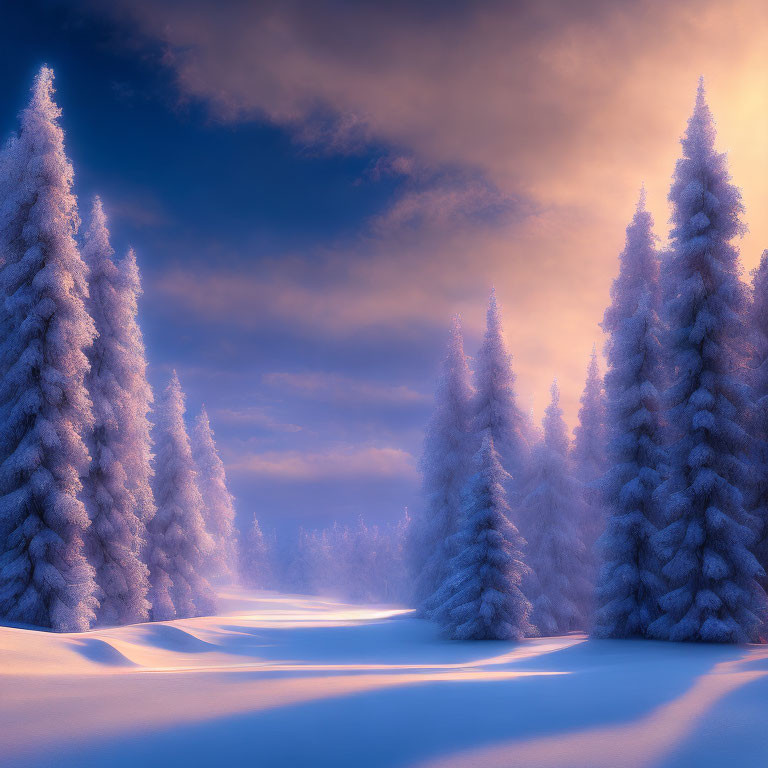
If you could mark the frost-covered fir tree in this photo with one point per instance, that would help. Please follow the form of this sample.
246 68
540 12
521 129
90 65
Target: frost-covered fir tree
482 597
255 565
558 583
711 592
495 403
178 544
758 381
45 579
112 541
218 504
135 447
589 459
446 463
629 585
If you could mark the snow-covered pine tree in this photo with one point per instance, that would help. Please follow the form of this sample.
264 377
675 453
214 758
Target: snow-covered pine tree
629 584
482 598
558 583
711 593
445 467
218 504
135 447
758 381
495 402
255 565
588 454
178 544
112 541
45 579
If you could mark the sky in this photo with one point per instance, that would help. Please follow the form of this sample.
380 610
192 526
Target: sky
313 189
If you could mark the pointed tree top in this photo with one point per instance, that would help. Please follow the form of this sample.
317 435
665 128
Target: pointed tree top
642 199
173 407
43 111
493 316
701 109
554 391
202 418
701 92
129 270
42 88
700 135
555 434
97 235
456 342
98 218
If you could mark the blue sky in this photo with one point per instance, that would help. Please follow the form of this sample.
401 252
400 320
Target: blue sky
313 189
193 194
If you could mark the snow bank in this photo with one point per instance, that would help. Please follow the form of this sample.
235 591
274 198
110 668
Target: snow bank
281 680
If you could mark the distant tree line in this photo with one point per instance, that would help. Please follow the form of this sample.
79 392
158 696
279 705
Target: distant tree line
360 563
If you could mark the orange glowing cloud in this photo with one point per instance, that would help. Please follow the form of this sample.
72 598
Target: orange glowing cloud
555 111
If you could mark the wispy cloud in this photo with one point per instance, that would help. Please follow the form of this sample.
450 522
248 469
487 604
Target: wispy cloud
442 204
337 462
254 415
557 106
338 388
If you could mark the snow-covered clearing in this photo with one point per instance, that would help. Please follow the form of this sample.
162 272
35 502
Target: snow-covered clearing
279 680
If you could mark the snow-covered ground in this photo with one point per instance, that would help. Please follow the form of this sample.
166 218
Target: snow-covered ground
280 680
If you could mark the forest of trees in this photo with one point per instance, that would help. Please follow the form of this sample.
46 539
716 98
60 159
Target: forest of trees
653 521
105 517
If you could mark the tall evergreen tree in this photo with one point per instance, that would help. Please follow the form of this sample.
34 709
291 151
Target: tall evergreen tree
255 566
496 406
45 579
482 597
177 541
135 447
758 381
589 457
559 579
113 539
712 592
445 467
629 584
218 504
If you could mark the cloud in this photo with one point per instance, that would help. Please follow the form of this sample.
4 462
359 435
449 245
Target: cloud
338 388
254 415
408 285
443 205
563 108
557 100
335 463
